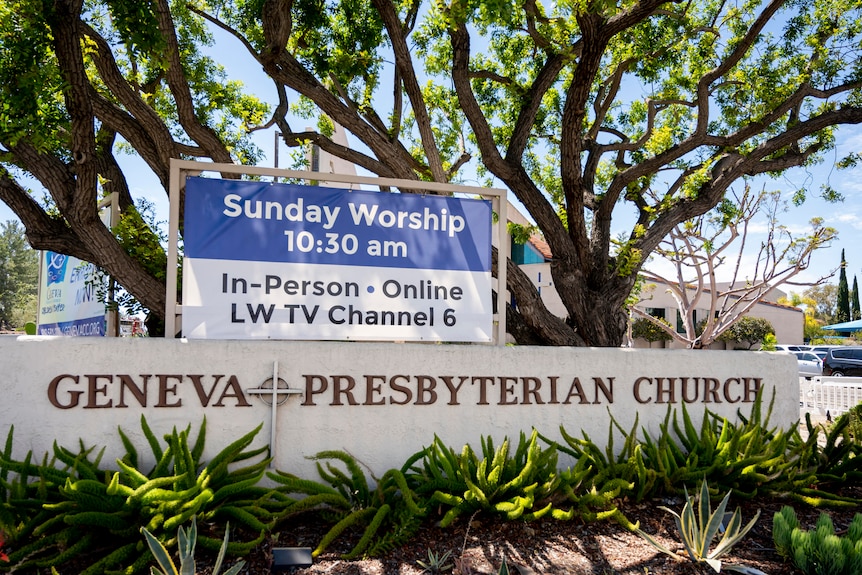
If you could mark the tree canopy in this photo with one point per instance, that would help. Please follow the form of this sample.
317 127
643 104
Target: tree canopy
18 277
822 301
610 122
855 312
749 330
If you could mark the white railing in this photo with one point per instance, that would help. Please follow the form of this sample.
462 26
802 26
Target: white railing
829 396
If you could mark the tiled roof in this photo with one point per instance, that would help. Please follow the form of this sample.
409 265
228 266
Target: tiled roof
538 242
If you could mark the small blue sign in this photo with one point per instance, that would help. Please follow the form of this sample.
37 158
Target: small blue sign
56 267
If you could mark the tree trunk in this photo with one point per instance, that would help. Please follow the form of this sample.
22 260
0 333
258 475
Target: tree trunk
596 308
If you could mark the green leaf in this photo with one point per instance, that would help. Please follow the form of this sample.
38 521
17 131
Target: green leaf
161 554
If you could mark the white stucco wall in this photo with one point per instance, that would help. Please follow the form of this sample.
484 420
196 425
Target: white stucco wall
540 274
787 321
380 402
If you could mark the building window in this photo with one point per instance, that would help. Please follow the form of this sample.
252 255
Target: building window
655 312
680 320
315 158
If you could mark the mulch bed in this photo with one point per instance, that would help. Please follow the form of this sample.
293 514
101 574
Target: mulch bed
479 544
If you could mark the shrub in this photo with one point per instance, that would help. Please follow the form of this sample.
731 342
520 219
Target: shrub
642 328
746 458
388 514
854 422
186 540
749 330
70 507
835 459
818 551
519 486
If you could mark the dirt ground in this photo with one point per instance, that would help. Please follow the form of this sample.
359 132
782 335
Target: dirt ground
547 546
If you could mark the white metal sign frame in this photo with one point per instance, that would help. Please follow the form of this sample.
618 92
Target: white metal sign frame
180 169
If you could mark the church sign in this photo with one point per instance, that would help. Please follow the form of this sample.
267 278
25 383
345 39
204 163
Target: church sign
382 402
285 261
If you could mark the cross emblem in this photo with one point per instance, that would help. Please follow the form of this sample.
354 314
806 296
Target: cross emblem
273 392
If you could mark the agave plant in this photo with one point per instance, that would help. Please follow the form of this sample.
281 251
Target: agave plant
698 525
186 540
437 563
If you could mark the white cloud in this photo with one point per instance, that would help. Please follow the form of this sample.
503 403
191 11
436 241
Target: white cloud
849 218
849 140
759 227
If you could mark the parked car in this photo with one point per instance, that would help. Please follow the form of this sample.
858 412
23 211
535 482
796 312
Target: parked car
822 350
792 348
841 361
809 364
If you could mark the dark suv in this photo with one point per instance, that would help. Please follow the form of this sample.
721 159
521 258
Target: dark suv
840 361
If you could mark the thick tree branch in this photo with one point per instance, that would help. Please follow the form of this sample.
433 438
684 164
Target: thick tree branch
82 213
731 167
404 64
532 309
139 124
51 172
512 173
113 178
294 139
284 69
531 104
43 231
137 135
181 92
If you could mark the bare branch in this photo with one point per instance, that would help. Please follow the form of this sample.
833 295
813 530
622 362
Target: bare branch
229 29
404 63
696 251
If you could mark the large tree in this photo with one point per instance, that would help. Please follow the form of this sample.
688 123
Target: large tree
811 328
822 301
591 113
18 277
855 312
79 86
842 312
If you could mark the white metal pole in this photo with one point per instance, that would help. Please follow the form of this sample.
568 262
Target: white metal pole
502 261
273 410
171 308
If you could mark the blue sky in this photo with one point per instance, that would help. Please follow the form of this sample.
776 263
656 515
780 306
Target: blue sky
845 217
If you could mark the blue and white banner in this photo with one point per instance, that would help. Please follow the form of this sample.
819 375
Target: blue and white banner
286 261
68 297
